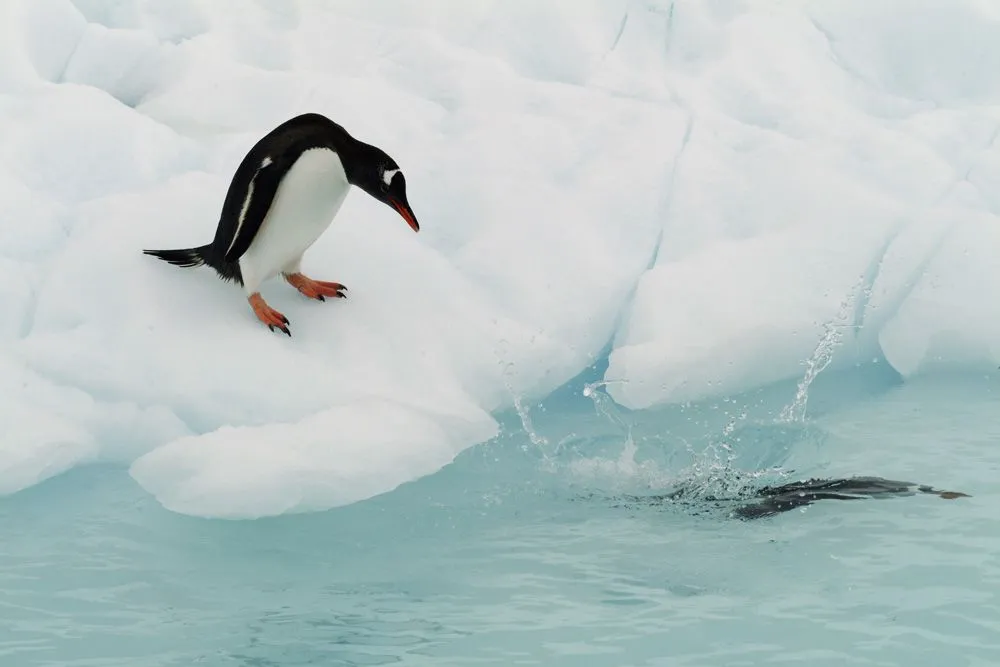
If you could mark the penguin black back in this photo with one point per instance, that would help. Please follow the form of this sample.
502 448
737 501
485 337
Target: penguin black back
257 179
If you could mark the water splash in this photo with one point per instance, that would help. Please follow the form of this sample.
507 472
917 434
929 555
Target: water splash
730 427
715 472
507 372
625 471
833 335
538 440
714 469
604 404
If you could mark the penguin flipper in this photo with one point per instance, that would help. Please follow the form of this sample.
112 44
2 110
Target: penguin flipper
245 209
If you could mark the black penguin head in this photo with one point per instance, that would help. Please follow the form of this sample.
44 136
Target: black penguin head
380 176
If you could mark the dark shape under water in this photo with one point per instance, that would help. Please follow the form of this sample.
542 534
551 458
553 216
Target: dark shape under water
773 500
777 499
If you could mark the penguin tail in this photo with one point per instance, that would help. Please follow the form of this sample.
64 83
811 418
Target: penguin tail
187 257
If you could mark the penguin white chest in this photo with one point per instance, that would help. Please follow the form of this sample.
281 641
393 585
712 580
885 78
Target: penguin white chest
306 202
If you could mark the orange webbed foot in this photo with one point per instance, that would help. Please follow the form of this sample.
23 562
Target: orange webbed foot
268 315
315 289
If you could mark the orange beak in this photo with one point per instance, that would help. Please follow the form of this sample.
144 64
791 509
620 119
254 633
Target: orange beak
407 214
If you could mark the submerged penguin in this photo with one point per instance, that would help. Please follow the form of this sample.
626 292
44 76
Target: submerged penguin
768 501
283 196
772 500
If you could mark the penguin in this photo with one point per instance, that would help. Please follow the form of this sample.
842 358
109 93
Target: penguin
283 196
773 500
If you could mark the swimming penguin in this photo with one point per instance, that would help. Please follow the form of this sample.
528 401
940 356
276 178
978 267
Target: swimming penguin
283 196
772 500
786 497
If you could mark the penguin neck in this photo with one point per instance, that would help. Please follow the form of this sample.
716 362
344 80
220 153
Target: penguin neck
312 130
352 155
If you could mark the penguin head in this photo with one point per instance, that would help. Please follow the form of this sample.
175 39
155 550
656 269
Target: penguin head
382 178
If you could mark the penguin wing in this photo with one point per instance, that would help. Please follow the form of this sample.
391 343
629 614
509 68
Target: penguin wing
245 215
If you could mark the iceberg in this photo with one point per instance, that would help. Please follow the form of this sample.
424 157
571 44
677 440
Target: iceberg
692 192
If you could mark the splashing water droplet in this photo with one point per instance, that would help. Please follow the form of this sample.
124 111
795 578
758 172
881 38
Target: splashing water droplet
588 389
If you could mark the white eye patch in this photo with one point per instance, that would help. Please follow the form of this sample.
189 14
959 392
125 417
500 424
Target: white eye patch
388 174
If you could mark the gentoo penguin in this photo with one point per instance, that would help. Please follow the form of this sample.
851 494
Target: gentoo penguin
786 497
283 195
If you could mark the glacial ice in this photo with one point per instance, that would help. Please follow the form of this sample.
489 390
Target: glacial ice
700 188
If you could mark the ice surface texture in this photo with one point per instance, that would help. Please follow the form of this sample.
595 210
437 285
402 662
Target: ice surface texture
705 187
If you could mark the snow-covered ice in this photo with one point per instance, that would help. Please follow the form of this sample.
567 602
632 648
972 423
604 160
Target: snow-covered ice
702 188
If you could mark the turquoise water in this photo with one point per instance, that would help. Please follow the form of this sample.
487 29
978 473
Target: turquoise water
519 554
